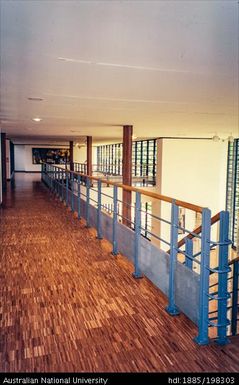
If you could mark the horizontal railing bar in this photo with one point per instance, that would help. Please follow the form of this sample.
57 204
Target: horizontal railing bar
233 261
159 218
197 231
107 195
188 256
93 200
163 198
92 189
127 219
189 232
156 236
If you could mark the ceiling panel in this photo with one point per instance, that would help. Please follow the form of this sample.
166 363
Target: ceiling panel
167 67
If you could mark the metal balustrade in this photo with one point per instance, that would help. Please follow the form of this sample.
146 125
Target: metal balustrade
142 179
233 307
81 192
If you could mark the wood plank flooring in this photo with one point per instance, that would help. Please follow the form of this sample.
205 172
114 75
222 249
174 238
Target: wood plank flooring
66 304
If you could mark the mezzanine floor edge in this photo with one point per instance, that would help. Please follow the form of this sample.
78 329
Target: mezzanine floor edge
66 304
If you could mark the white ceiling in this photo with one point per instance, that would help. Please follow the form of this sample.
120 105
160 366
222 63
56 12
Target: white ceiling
168 67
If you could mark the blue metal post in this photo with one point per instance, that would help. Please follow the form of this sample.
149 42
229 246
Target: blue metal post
172 308
222 279
62 185
115 214
72 192
67 188
59 182
235 298
202 338
52 184
189 251
78 195
137 236
87 202
54 180
48 178
99 229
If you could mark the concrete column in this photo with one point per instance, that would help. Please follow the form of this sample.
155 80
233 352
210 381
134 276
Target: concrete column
4 162
71 156
127 173
8 160
89 155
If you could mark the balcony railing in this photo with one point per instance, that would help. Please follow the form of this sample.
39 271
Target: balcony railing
173 272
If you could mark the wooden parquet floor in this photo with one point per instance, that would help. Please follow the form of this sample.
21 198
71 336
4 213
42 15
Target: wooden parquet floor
66 304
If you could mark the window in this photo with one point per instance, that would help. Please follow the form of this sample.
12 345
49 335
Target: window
232 199
109 159
146 219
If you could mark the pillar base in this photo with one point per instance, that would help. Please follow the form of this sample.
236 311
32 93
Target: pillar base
223 341
172 310
201 341
137 275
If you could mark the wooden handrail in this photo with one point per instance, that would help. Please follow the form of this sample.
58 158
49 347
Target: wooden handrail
163 198
197 231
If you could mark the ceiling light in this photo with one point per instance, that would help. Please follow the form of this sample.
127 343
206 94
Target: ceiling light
35 99
37 119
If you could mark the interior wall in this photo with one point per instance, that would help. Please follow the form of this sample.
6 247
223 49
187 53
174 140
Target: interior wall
23 157
80 154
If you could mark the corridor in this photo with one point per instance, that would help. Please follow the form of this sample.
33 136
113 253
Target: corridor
68 305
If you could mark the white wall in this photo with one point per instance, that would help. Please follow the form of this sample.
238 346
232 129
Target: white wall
23 157
80 154
195 171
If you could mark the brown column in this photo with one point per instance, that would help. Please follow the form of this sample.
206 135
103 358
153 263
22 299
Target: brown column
127 173
89 155
4 162
71 156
